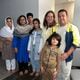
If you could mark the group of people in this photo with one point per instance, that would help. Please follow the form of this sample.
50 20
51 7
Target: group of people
49 49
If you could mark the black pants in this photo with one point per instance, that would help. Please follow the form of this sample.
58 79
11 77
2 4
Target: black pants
23 66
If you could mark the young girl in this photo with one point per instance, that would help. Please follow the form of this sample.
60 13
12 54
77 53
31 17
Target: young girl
6 34
50 57
34 46
20 43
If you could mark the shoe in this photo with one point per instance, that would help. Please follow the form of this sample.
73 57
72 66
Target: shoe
21 73
8 70
37 74
13 70
31 74
26 71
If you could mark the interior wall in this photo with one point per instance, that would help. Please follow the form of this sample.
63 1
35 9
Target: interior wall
15 8
76 18
69 6
44 6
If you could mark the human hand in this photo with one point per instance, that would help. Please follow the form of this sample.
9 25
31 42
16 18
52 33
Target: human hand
9 39
64 56
54 75
42 70
16 50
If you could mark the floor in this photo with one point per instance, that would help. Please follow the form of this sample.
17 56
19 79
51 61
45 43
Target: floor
3 72
5 75
15 76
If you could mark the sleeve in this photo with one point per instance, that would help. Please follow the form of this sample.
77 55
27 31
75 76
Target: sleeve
43 36
76 37
40 46
29 44
42 54
14 42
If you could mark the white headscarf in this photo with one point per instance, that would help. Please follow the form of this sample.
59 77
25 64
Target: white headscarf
6 31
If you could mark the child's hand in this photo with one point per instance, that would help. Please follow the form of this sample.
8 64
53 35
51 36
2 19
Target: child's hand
16 50
42 70
54 75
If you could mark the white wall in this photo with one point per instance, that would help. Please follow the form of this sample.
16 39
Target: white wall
15 8
44 6
76 19
69 6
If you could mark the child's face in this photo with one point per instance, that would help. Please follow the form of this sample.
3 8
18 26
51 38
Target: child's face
54 41
22 21
36 24
30 19
9 22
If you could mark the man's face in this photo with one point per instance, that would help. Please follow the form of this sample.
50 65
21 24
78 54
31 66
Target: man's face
62 18
30 19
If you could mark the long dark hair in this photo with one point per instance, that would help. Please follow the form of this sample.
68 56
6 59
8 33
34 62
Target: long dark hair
58 38
45 24
35 19
18 20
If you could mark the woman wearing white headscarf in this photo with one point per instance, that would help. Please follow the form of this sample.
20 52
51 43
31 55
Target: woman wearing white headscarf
6 35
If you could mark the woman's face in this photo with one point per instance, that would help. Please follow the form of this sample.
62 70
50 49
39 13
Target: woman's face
22 21
54 42
36 24
49 18
9 22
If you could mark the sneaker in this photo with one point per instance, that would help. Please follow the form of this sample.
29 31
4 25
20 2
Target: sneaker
26 71
8 70
31 74
37 74
13 71
21 73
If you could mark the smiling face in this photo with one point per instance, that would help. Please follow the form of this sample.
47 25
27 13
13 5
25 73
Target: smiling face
9 22
30 19
54 42
62 18
36 24
49 18
22 21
